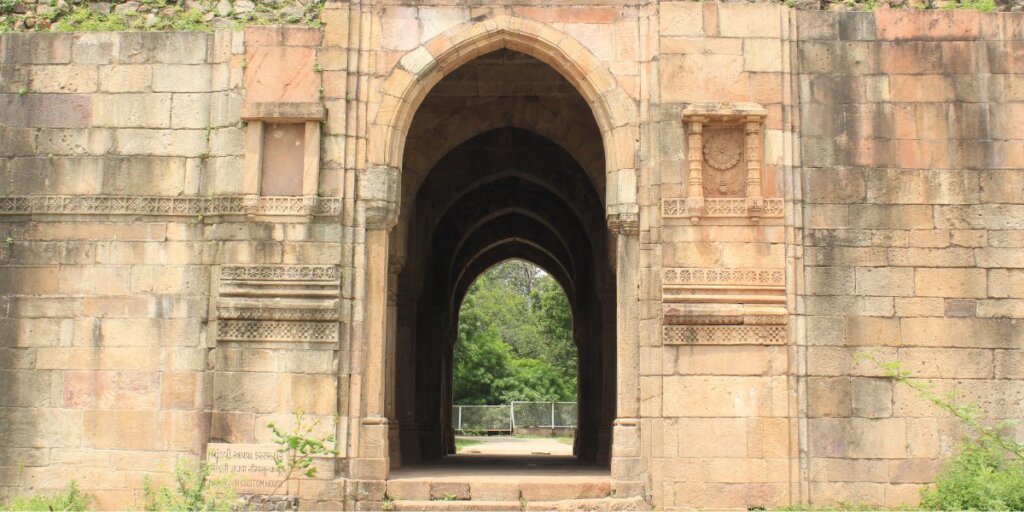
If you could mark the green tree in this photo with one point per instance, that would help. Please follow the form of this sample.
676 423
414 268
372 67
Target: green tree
515 338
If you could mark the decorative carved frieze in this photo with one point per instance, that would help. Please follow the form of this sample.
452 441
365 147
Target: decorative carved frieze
173 206
278 303
724 335
269 330
723 276
280 272
722 207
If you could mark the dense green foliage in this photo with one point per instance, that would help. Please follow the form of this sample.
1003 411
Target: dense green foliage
194 490
980 477
69 500
515 339
988 471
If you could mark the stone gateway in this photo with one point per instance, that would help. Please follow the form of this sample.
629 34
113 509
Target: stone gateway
201 233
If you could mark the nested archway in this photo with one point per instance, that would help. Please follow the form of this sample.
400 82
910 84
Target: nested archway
506 193
500 190
521 204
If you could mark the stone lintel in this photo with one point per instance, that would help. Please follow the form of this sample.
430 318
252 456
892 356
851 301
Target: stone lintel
283 112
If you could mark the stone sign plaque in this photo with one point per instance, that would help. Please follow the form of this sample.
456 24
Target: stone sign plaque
250 466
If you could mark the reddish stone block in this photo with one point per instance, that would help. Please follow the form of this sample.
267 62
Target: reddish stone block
301 36
270 35
280 73
911 58
921 88
902 25
570 14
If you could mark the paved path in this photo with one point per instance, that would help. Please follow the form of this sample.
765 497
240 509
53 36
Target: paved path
506 445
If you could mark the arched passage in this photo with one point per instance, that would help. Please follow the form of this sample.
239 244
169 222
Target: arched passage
594 124
502 194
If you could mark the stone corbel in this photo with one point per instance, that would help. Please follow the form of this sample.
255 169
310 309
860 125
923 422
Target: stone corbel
623 212
379 191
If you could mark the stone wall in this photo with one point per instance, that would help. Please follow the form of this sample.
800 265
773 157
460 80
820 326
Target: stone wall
783 189
912 238
121 169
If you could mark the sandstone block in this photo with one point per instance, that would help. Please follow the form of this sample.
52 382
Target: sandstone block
110 390
163 47
46 110
763 55
950 282
830 280
190 111
42 427
245 392
181 78
716 396
755 20
867 331
885 281
178 390
680 19
189 143
45 48
26 388
872 398
233 427
125 78
97 358
93 48
139 430
849 470
829 397
992 257
63 79
962 332
1001 308
132 110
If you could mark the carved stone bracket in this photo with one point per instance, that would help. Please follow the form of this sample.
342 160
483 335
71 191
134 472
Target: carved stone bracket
380 190
723 164
624 223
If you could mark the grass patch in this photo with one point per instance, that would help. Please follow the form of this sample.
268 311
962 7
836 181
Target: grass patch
73 499
461 444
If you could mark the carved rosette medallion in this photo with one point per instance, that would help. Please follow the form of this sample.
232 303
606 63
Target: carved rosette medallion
723 152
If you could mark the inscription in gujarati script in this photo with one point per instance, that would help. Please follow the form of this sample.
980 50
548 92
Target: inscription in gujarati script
250 467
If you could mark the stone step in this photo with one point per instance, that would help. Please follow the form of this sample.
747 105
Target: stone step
457 505
581 505
497 490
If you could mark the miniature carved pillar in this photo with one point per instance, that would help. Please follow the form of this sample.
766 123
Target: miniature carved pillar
755 201
695 166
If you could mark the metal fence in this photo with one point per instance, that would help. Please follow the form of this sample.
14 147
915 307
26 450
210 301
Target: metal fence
504 418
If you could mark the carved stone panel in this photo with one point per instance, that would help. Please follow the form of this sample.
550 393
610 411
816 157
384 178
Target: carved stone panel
278 303
724 165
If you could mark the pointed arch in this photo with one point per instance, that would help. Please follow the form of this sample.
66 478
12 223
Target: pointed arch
404 89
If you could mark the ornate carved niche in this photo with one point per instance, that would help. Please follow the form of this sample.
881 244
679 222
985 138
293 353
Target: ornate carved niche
724 155
282 153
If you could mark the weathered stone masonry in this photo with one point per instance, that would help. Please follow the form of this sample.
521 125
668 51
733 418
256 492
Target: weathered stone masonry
200 233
